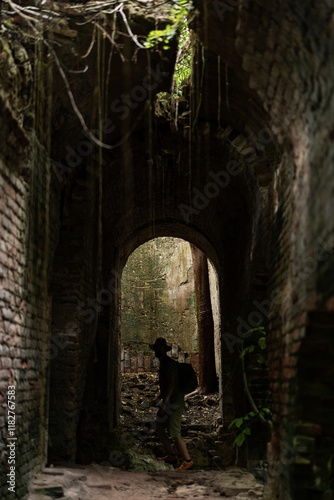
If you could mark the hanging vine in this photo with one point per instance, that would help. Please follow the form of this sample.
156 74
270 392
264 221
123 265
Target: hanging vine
259 412
38 23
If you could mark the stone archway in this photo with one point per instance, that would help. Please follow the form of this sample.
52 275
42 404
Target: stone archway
261 95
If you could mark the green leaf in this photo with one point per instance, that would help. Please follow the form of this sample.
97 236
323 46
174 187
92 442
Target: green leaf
239 440
262 343
177 18
231 424
247 350
266 411
259 329
238 422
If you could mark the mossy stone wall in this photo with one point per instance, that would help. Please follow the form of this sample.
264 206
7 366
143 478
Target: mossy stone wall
158 295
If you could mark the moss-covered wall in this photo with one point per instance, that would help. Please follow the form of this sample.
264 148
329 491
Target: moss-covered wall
158 295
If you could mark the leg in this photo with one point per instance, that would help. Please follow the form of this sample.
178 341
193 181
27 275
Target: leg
164 439
174 430
182 447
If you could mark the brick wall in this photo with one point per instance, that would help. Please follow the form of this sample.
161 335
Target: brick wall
275 221
24 257
24 316
277 53
75 310
289 69
13 315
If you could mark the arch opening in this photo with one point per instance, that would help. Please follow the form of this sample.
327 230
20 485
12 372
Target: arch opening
158 299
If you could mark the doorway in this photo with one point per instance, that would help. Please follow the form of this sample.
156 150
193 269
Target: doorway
158 299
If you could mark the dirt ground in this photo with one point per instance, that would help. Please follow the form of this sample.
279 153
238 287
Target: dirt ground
135 472
101 483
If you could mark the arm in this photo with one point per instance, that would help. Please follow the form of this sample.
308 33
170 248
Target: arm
171 383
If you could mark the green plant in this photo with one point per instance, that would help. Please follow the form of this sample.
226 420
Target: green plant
244 424
261 342
244 431
262 414
183 61
177 21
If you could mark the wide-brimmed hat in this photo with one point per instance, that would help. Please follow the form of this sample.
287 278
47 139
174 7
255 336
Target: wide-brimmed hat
160 342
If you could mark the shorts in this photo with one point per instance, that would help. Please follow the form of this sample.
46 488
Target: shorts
172 419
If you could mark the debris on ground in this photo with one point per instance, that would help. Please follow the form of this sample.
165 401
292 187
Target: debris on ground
135 471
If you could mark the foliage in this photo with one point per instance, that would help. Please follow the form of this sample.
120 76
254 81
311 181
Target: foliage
243 424
177 26
184 60
261 343
177 21
245 431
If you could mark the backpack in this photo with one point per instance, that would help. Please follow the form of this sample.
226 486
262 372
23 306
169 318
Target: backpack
187 378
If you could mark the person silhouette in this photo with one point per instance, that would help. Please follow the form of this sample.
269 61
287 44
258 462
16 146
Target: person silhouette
171 407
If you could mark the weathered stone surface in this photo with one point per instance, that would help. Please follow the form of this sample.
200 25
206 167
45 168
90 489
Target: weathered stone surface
139 462
101 482
50 492
160 276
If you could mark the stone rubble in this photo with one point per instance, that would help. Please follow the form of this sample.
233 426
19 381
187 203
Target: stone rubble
201 421
139 474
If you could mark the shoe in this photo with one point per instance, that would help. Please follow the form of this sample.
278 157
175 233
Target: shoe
185 465
168 458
